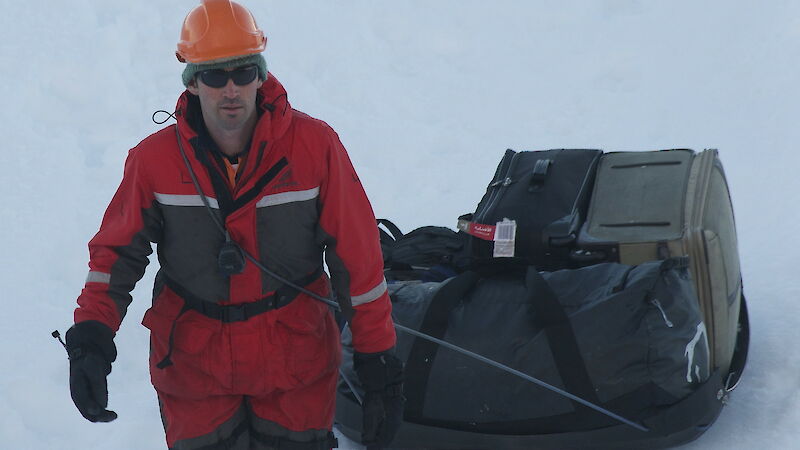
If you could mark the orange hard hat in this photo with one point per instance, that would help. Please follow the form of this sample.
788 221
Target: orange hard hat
219 29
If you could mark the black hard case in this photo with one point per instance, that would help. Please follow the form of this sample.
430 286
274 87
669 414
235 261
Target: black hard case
546 192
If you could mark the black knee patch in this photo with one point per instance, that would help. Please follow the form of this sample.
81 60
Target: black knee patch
284 443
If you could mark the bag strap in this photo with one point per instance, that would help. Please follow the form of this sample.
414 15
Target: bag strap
423 352
550 315
739 359
385 238
393 229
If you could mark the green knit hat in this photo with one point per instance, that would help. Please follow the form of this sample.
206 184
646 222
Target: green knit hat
258 59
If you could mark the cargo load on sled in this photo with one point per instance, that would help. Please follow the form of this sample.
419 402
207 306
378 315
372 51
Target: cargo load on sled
603 290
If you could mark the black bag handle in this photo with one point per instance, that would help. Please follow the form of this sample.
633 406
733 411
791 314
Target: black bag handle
393 229
539 174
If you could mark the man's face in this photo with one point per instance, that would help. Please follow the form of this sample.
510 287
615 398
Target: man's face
227 107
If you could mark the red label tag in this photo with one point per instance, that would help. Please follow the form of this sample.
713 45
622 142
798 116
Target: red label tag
479 230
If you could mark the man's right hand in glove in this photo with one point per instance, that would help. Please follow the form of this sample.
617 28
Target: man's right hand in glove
91 350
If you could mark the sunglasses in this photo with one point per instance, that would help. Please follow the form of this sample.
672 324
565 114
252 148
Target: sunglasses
217 78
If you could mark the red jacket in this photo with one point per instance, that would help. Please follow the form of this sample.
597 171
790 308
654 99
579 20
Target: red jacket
314 205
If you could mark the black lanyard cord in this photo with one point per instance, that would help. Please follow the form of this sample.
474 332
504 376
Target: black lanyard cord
247 254
161 111
203 198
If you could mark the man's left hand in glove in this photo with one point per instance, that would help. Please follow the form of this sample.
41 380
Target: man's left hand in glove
381 375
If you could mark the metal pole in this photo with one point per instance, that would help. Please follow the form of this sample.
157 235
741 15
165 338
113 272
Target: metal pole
350 385
463 351
466 352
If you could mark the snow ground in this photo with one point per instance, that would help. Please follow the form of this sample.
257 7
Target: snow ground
426 96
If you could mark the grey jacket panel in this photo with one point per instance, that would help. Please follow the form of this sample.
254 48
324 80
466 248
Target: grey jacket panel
188 253
340 276
192 241
293 250
133 260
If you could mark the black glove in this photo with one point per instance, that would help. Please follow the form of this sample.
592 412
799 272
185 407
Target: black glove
91 350
381 375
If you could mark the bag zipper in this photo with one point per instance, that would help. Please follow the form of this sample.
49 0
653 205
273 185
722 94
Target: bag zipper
500 184
657 304
499 177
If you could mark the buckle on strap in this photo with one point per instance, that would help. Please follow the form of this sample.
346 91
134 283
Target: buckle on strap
233 313
279 301
241 312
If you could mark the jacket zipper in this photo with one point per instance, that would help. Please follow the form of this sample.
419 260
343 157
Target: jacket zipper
246 176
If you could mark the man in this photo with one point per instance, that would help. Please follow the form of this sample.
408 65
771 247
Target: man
241 196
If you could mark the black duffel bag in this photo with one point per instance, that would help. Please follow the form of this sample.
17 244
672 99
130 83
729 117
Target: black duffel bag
627 338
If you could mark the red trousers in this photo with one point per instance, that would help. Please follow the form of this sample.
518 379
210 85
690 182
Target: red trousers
272 375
